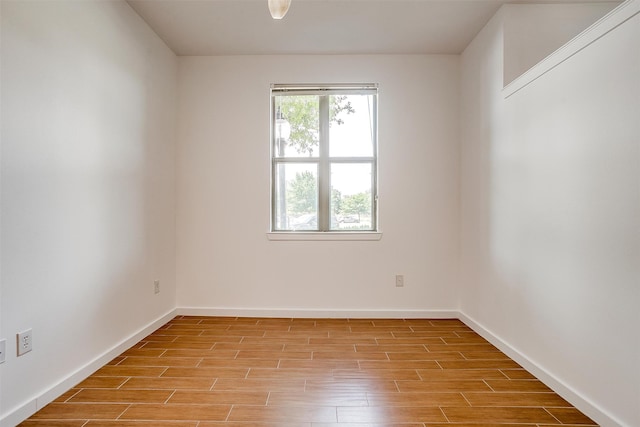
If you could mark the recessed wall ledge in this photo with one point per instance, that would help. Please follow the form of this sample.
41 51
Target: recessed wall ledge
600 28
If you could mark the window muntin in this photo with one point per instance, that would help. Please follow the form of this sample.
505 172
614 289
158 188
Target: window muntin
324 162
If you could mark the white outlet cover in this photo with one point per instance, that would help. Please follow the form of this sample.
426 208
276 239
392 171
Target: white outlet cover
3 350
399 281
25 342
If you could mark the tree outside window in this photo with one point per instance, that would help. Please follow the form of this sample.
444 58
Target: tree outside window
324 171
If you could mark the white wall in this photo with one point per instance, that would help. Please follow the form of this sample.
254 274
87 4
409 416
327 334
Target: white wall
547 214
88 218
224 260
533 31
551 213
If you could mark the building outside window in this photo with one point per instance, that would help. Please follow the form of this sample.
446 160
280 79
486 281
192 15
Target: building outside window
324 157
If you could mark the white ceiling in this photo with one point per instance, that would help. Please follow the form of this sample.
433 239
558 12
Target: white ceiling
240 27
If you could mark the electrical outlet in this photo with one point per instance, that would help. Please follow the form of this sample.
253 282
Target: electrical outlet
25 342
3 349
156 286
399 281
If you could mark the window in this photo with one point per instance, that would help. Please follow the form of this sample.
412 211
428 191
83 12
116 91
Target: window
324 157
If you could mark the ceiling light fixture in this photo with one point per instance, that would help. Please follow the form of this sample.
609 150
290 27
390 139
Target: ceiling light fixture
278 8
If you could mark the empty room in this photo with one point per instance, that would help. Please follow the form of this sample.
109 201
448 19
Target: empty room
319 213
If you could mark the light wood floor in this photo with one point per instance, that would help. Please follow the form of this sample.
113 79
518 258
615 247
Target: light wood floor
241 372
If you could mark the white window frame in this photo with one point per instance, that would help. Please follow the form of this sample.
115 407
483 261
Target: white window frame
324 161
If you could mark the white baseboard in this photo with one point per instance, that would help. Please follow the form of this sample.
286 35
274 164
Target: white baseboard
24 411
589 408
565 391
319 313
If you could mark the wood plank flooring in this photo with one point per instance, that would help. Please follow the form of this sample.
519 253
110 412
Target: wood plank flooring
263 372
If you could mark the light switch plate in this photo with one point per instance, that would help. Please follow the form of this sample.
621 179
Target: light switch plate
3 350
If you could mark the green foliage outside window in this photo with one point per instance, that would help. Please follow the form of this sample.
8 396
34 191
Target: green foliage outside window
301 111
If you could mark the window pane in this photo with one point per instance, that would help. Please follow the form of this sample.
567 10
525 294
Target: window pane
296 192
296 129
351 203
351 126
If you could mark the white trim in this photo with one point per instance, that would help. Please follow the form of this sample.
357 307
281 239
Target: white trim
30 407
609 22
592 410
583 404
327 235
319 313
19 414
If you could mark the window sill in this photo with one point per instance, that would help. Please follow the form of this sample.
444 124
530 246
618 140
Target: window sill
329 236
